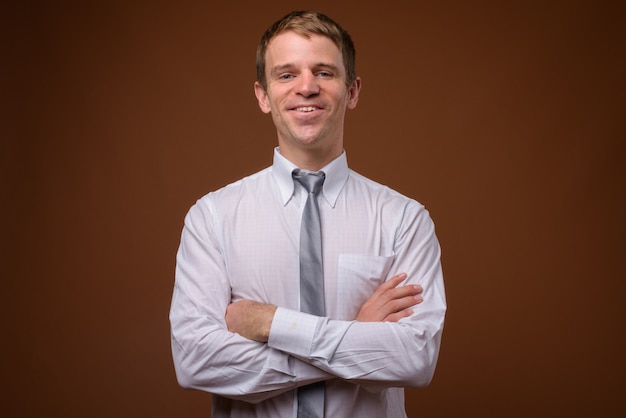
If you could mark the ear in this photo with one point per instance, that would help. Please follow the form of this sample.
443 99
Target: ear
261 96
353 93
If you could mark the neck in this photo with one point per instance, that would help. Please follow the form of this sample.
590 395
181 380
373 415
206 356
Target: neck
310 160
311 157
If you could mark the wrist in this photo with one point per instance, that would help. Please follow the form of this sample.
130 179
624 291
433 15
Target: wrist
267 318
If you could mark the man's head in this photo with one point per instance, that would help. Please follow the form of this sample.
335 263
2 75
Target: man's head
308 23
306 85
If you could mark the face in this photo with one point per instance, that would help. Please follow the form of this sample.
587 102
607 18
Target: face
307 97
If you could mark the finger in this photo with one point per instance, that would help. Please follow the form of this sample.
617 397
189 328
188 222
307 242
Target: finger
398 305
389 285
396 299
392 282
399 293
395 317
407 290
401 308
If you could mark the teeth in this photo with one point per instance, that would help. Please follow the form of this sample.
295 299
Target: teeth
306 109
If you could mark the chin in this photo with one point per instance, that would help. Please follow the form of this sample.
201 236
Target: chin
309 139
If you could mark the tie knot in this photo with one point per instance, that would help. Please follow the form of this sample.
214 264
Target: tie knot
312 182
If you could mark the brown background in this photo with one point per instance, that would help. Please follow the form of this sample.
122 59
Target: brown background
505 118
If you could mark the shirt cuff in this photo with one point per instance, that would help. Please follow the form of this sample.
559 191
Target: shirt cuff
292 332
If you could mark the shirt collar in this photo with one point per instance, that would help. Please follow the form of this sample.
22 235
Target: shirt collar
336 176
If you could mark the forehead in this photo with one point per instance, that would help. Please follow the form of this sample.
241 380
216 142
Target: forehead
292 48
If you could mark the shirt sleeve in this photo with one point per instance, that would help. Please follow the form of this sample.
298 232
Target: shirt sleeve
379 353
206 355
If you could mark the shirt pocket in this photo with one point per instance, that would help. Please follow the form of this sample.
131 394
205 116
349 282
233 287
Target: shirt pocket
359 275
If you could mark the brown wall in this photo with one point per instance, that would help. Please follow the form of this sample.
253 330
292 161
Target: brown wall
505 119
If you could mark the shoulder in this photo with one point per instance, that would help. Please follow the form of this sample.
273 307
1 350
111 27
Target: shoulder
380 192
251 182
244 188
393 207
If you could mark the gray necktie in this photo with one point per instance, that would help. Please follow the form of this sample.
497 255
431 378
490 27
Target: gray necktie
311 397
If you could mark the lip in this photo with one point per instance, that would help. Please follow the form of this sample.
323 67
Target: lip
306 116
306 108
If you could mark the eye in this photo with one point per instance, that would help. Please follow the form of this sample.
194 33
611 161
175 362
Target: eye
324 74
285 77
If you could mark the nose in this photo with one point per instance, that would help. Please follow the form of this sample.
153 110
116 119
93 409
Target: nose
308 85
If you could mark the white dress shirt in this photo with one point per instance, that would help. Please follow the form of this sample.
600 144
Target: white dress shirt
242 242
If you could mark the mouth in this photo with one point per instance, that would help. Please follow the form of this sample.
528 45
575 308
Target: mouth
306 109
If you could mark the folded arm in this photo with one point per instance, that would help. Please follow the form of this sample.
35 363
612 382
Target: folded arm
302 348
295 333
390 303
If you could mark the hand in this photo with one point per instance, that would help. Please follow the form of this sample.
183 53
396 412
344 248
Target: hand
390 303
250 319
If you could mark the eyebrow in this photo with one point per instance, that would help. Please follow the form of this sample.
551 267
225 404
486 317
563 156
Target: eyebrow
280 68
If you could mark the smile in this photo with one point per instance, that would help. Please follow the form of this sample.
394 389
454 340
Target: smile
305 109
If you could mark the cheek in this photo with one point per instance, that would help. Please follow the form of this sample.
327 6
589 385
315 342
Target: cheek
278 119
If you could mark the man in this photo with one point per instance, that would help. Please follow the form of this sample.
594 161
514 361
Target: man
238 330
